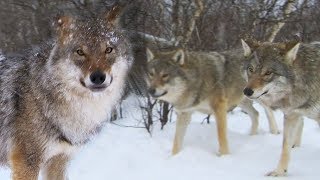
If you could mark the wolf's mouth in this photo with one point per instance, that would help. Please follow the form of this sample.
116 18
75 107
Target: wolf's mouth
157 96
94 88
263 94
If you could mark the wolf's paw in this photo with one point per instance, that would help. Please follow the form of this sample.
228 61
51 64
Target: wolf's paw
277 173
252 133
295 145
223 152
175 151
275 132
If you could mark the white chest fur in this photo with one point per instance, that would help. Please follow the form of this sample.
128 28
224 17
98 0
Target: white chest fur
84 111
84 118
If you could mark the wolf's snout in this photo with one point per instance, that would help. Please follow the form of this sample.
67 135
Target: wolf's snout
152 91
97 77
248 92
98 81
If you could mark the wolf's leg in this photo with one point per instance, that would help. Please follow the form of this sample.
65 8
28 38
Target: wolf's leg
291 128
272 122
219 106
24 165
56 168
298 137
183 120
246 106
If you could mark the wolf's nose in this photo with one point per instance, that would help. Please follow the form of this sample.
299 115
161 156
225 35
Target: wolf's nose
97 77
248 92
151 91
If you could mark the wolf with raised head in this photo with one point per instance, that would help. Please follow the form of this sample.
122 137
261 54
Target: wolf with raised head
284 76
208 82
56 99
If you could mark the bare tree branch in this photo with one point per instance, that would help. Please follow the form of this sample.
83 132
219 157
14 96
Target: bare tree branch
176 19
194 18
287 10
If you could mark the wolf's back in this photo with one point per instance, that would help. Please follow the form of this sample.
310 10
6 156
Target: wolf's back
11 74
221 66
308 62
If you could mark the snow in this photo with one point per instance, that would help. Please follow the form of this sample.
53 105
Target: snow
124 153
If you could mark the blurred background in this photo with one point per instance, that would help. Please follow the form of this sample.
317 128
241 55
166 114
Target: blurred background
193 24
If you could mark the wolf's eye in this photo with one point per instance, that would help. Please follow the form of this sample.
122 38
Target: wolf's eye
268 73
80 52
250 69
151 74
109 50
164 76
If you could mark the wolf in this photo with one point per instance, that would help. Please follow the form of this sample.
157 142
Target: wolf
284 76
53 101
208 82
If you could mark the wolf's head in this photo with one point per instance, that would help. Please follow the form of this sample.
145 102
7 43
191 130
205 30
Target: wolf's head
90 54
166 79
267 68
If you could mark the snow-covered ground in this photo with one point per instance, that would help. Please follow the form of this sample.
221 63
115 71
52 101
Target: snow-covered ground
124 153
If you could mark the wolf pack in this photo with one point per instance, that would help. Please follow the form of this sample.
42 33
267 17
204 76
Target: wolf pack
56 99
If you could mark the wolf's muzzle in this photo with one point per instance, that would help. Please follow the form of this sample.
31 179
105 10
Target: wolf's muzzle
97 81
97 77
153 93
248 92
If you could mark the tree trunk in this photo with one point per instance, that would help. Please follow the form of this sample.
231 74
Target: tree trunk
287 10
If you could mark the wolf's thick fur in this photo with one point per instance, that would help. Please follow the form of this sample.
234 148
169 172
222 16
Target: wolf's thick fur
285 76
198 81
56 99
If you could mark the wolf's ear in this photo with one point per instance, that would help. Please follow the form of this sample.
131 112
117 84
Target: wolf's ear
64 23
291 51
178 57
249 45
112 17
64 26
246 48
150 54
